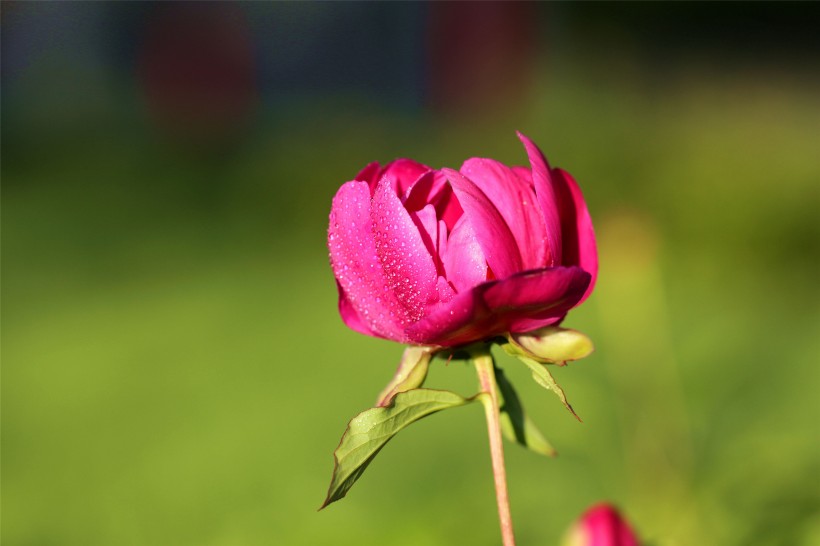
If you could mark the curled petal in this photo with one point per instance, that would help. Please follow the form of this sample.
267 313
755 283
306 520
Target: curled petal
365 301
515 199
428 226
424 191
369 174
464 261
576 226
432 189
351 316
546 197
500 306
403 173
408 266
492 232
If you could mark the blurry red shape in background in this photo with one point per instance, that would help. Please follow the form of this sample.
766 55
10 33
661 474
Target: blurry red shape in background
481 55
196 69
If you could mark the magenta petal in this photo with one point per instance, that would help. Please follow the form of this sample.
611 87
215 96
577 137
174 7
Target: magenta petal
515 199
524 173
350 316
546 197
428 226
496 307
357 267
448 207
492 232
369 174
408 266
423 191
602 525
404 173
544 295
576 225
464 262
452 323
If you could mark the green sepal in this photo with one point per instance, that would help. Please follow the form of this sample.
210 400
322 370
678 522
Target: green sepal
550 345
411 373
543 377
368 432
515 424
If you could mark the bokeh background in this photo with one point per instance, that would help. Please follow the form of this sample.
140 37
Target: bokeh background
174 369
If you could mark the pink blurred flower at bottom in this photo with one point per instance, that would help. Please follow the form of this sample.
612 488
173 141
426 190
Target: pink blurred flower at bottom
601 525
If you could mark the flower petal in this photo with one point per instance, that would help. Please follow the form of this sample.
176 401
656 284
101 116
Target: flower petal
364 296
496 307
448 207
602 525
576 226
428 226
408 266
538 298
369 174
424 191
516 201
350 316
492 232
464 263
546 197
404 172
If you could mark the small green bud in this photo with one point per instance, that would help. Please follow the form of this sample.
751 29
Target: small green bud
551 345
411 373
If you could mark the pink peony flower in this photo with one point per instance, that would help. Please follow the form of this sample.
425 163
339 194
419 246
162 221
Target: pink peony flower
601 525
445 257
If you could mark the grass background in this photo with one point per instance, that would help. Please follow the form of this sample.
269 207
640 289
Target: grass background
175 372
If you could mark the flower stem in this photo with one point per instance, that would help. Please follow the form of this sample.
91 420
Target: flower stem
486 376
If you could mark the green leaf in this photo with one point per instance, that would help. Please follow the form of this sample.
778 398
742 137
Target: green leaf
515 424
368 432
543 377
411 373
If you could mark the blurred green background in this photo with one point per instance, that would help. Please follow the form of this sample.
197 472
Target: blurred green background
174 368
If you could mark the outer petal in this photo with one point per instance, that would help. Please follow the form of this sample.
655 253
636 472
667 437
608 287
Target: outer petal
408 266
576 226
364 297
495 307
492 232
515 200
546 197
351 316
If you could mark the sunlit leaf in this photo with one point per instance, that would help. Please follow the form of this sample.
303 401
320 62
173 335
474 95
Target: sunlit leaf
368 432
543 377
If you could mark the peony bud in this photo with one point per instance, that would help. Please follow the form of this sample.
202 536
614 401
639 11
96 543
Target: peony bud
601 525
443 258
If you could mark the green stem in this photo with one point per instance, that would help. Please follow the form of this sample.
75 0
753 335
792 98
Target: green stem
484 365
